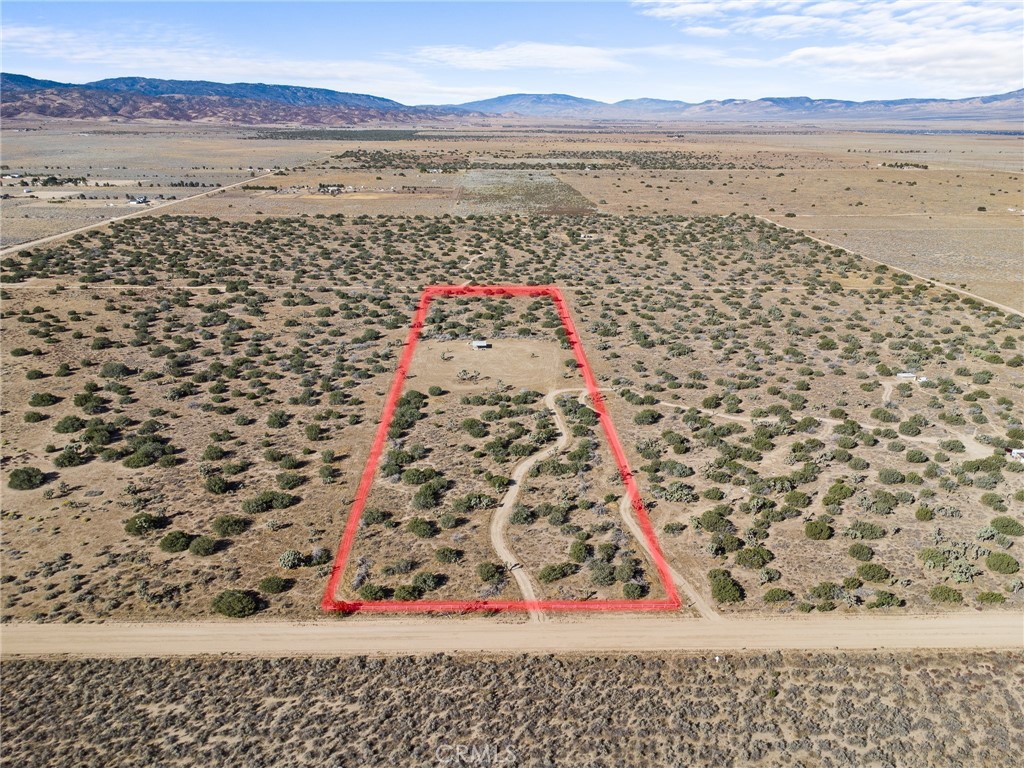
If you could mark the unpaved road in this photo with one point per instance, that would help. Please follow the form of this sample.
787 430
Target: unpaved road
141 212
697 601
591 634
499 520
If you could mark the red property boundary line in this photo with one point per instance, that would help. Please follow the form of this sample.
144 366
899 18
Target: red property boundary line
330 601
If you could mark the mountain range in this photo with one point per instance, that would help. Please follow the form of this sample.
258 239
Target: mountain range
140 98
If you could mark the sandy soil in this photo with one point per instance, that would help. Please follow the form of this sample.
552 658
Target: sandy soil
591 634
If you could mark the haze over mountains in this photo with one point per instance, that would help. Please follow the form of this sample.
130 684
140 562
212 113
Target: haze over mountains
139 98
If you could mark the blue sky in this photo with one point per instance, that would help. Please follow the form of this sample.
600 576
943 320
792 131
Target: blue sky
438 53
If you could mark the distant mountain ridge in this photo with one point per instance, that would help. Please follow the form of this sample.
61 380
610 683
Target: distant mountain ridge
1004 105
143 98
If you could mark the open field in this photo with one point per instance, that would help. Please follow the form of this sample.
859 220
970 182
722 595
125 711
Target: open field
179 380
861 187
753 709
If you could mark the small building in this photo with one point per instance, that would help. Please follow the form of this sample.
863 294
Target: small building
480 344
906 375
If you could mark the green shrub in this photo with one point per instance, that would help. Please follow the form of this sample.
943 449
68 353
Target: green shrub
1000 562
143 523
375 516
550 573
425 529
826 590
236 603
489 572
43 400
34 417
25 479
891 476
861 552
175 541
428 496
754 557
231 525
69 424
373 592
278 419
715 521
287 481
924 513
407 592
275 585
863 530
933 557
724 588
269 500
873 572
797 499
991 598
647 416
71 457
777 595
418 475
818 530
427 582
448 555
837 494
216 484
1008 526
943 594
634 591
580 551
885 599
203 546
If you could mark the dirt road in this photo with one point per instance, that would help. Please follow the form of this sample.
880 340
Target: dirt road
143 211
591 634
697 601
499 520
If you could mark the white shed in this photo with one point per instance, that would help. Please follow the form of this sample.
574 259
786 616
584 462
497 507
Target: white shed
480 344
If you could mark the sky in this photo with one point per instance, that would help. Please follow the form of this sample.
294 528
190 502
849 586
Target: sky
453 52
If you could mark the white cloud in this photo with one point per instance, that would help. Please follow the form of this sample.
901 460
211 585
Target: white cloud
878 19
525 55
950 47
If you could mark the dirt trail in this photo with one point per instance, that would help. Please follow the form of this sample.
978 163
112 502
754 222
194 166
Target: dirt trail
499 520
591 634
141 212
697 600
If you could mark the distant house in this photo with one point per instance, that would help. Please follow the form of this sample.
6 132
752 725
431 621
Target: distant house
480 344
906 375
